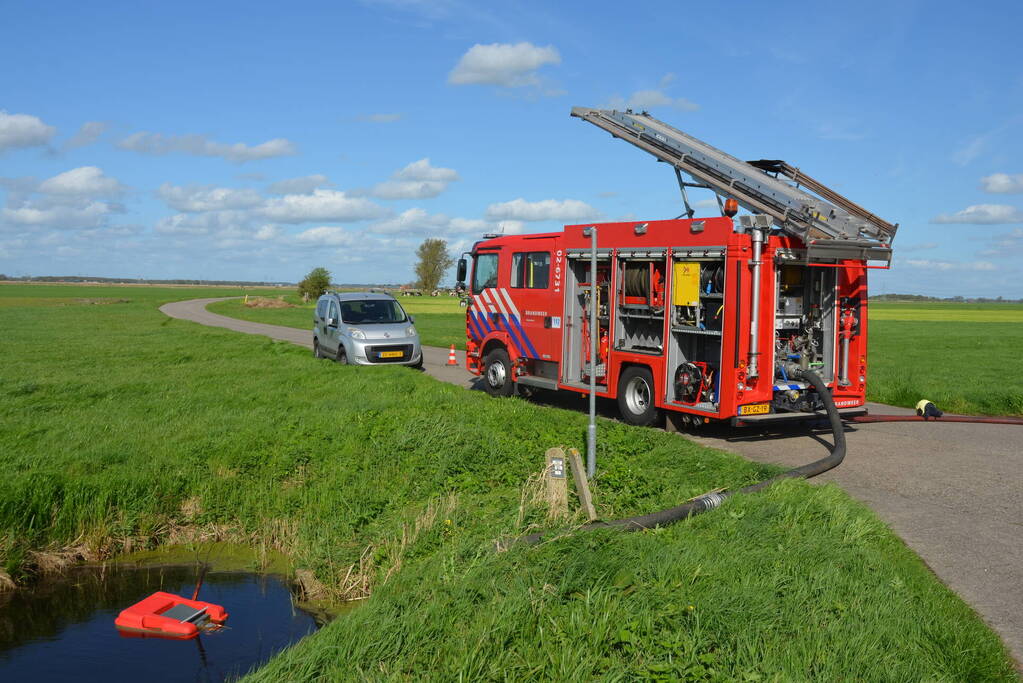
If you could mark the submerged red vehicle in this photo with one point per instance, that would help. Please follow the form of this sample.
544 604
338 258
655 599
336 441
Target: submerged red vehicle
703 319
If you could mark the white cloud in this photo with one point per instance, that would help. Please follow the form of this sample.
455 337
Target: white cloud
85 181
418 180
199 145
417 221
983 214
328 237
503 64
564 210
23 130
86 135
321 205
88 215
267 232
972 148
842 131
643 100
195 198
1005 246
380 118
1003 183
302 185
223 223
982 266
706 204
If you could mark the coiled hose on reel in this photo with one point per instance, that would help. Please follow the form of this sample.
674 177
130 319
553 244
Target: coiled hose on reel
709 501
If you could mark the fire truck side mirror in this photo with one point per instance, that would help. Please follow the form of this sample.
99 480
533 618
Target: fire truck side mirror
463 266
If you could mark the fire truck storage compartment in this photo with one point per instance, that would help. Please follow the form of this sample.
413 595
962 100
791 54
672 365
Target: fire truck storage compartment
697 316
804 318
640 301
577 316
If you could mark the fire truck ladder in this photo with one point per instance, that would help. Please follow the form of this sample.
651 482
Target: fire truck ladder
831 226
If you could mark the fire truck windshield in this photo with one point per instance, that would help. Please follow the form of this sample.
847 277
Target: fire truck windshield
484 274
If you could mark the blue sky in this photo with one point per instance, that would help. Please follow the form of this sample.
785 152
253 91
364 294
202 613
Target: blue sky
250 140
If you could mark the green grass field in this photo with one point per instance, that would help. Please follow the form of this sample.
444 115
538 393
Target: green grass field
123 429
964 357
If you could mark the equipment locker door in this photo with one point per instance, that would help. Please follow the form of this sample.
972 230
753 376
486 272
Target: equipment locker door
534 298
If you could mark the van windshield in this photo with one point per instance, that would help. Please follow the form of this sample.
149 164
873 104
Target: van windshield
372 311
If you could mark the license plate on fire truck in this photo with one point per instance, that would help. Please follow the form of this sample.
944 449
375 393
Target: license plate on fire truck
755 409
390 354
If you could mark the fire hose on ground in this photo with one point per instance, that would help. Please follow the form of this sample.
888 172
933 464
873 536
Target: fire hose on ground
709 501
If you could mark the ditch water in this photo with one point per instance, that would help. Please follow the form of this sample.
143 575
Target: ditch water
63 629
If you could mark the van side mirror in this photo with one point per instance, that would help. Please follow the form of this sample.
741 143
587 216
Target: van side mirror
331 322
463 266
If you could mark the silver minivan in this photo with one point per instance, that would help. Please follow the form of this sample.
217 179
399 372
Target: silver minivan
365 328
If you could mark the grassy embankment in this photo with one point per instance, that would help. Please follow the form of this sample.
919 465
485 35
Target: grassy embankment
964 357
122 428
440 320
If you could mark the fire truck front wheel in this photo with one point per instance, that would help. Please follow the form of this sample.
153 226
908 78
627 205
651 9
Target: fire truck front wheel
636 396
497 373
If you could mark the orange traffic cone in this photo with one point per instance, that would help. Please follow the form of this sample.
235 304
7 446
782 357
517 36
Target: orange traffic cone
451 356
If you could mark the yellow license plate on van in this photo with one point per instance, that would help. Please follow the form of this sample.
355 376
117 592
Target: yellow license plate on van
755 409
391 354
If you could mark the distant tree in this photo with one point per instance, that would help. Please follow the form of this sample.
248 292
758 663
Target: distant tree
314 284
434 260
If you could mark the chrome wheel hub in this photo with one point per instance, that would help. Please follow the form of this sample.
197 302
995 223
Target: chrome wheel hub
496 375
637 395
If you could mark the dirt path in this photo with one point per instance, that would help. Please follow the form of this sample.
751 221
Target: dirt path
953 492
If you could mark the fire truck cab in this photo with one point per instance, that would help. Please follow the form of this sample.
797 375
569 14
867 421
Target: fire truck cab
686 324
704 319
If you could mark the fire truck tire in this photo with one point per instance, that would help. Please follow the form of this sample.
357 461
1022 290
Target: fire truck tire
497 373
636 396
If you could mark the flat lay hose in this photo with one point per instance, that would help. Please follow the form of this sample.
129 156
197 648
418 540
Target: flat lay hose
709 501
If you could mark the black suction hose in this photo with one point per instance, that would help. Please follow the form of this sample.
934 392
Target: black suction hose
709 501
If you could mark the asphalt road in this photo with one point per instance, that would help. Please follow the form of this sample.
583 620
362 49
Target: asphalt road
953 492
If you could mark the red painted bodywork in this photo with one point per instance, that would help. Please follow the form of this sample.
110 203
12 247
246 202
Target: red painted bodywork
735 389
146 616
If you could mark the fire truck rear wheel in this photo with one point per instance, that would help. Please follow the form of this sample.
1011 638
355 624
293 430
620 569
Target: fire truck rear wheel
497 373
636 396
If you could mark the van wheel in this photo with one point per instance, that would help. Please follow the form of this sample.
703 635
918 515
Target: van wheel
497 373
342 355
317 351
636 396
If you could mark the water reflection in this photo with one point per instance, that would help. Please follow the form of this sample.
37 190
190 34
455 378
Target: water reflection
64 628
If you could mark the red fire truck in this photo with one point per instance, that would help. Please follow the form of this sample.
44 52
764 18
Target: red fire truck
704 319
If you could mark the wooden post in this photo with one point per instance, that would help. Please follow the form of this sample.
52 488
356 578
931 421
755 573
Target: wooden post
582 486
557 484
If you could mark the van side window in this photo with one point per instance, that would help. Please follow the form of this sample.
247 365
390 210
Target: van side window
321 309
531 270
333 311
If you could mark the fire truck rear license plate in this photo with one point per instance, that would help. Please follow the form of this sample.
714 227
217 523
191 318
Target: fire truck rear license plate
393 354
755 409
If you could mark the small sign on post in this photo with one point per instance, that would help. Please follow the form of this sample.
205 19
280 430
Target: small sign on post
582 486
557 484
